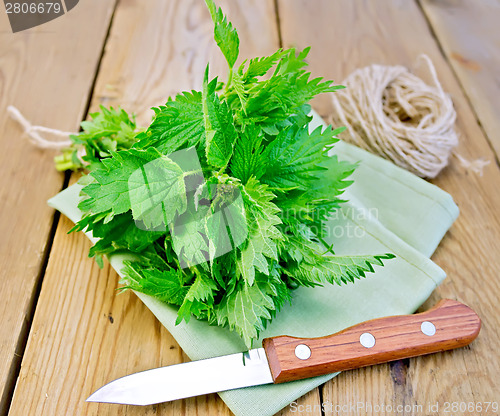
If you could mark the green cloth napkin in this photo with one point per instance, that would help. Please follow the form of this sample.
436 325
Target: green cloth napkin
389 210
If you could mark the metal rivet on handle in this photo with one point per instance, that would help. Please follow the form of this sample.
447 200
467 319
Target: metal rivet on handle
428 328
302 352
367 340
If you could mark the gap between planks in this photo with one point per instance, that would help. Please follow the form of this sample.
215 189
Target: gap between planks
468 35
23 337
460 80
50 239
28 176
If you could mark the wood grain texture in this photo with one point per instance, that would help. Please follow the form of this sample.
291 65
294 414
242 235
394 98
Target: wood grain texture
158 51
469 36
395 338
84 333
310 404
49 78
346 35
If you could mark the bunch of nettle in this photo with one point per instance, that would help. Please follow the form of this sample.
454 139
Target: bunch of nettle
222 199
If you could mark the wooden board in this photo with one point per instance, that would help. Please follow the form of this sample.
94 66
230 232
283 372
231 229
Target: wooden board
49 78
84 334
349 34
469 35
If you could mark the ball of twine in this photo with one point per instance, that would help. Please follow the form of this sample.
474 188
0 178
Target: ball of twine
391 112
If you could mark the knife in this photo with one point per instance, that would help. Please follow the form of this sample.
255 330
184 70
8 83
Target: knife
449 324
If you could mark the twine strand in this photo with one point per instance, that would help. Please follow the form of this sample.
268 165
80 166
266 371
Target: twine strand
33 132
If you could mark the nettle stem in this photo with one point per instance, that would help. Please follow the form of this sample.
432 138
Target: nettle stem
229 80
192 172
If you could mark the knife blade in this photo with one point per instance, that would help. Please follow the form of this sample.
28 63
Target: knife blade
448 325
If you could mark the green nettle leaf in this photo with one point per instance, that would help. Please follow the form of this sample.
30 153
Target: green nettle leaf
189 236
176 125
258 67
245 311
294 157
220 132
143 181
167 285
247 159
235 219
264 233
226 227
219 242
336 269
108 190
108 131
121 232
157 192
224 34
223 200
199 295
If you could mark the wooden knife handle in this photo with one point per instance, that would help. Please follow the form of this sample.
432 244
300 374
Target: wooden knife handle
449 324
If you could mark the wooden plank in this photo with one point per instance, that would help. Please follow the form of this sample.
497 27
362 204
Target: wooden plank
349 34
84 334
167 48
469 36
49 78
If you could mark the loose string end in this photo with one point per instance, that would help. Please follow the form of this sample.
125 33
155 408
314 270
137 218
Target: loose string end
477 166
33 132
